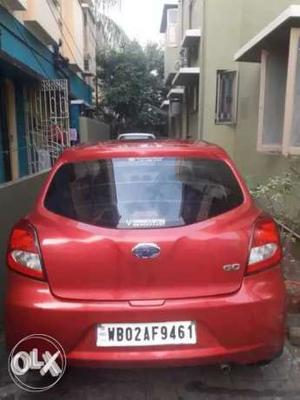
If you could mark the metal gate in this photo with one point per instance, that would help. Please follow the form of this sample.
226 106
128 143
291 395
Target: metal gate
47 123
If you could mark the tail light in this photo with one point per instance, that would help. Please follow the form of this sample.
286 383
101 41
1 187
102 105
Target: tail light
23 253
265 251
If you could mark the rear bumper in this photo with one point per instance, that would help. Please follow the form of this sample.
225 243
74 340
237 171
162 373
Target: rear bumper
244 327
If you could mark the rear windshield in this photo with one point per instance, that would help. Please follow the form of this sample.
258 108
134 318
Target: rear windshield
133 193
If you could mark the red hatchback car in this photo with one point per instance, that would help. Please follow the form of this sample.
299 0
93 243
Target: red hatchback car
147 254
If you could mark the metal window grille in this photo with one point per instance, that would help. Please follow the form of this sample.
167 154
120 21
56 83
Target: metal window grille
226 97
47 123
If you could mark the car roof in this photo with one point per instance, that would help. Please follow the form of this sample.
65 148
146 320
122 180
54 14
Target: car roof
155 148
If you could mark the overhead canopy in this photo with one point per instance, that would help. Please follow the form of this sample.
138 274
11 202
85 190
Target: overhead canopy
274 36
186 75
191 38
167 6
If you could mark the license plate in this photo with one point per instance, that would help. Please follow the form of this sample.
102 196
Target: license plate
146 334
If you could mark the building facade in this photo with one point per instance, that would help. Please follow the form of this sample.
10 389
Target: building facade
234 73
47 68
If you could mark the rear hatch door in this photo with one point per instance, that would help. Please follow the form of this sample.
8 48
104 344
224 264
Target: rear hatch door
96 213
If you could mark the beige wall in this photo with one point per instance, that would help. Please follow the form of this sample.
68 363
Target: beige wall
53 21
171 59
41 17
14 205
227 27
73 35
89 41
256 14
221 38
255 165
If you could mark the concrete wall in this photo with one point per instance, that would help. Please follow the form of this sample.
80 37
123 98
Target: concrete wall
171 58
190 17
221 39
296 119
51 22
16 5
92 130
197 11
254 165
16 200
228 25
276 73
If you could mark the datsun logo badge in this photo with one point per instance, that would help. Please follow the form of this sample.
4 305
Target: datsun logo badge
146 250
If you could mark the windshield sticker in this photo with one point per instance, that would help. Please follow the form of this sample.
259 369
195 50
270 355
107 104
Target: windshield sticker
148 223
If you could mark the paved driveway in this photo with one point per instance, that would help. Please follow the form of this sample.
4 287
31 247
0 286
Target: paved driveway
280 380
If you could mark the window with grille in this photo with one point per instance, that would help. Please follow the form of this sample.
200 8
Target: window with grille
226 97
47 123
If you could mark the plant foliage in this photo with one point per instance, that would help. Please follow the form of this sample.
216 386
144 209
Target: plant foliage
108 33
280 196
132 88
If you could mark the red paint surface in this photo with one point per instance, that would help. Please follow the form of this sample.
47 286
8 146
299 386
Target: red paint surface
92 277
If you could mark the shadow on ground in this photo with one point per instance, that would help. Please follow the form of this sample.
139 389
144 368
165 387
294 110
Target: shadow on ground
279 380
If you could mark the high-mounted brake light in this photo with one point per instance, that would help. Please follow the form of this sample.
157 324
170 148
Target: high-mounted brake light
23 254
265 251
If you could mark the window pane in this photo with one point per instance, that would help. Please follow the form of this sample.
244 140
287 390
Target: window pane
172 27
276 71
172 16
226 93
143 193
172 35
